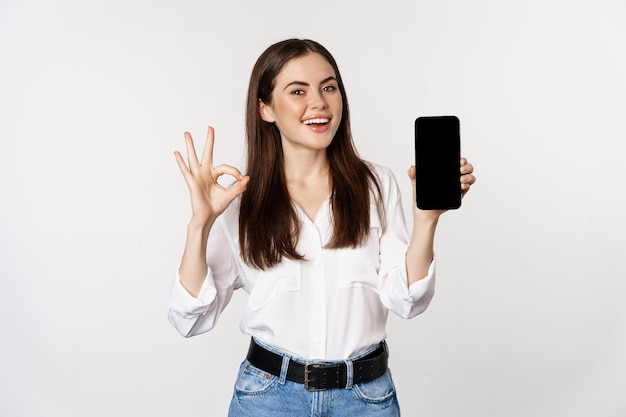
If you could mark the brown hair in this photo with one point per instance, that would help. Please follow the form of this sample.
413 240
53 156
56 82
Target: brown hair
268 223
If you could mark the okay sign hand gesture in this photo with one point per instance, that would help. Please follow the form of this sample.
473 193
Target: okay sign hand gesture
208 198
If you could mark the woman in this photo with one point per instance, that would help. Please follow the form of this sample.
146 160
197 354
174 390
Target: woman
317 238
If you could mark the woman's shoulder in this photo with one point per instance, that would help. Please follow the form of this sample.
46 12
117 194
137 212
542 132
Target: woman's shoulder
378 168
386 177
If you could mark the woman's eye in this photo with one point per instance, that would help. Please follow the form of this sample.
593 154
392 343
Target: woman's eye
329 88
297 92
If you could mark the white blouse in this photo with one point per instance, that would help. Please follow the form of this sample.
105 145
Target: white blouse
332 305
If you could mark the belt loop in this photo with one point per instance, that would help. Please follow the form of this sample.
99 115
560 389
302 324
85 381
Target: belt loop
349 373
283 370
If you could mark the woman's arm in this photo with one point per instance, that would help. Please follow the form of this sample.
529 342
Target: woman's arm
420 252
208 201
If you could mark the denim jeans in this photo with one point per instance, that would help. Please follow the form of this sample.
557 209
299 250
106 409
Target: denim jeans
260 394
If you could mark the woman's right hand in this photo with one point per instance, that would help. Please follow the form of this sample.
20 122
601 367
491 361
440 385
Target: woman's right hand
208 198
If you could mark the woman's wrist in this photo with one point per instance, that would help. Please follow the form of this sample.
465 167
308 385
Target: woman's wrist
200 224
425 218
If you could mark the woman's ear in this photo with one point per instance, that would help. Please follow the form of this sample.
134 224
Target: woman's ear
266 112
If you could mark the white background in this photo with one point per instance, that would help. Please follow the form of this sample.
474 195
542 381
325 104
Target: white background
529 317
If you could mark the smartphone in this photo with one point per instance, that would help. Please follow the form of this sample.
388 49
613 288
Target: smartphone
437 159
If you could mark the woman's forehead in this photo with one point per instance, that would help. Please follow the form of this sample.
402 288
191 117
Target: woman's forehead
311 68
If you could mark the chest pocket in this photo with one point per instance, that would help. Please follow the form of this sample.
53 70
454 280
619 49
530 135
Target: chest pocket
284 277
359 267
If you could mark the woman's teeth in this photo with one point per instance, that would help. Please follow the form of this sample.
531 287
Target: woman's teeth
319 121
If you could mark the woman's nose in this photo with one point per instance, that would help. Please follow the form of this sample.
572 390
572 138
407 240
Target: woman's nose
317 101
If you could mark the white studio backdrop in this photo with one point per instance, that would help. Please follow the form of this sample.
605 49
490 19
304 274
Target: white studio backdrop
529 317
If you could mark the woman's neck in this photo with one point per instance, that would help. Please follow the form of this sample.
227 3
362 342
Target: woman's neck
308 180
306 165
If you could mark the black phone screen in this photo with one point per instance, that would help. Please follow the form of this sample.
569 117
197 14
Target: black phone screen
437 159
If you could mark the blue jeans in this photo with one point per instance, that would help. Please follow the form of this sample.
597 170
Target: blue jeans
260 394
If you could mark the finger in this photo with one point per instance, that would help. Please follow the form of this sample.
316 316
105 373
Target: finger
468 179
182 165
224 169
191 153
412 172
207 153
240 186
466 183
467 168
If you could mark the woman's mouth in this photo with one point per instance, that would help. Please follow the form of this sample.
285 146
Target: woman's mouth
317 121
317 124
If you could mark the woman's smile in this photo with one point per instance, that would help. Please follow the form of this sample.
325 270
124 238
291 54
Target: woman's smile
318 124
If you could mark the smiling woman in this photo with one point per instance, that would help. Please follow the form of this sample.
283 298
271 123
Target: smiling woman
315 235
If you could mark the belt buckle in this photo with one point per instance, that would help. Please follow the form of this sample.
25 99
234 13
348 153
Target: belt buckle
307 371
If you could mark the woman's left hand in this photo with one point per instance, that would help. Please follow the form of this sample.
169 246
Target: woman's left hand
467 179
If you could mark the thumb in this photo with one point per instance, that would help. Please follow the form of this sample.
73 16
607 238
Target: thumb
412 171
239 186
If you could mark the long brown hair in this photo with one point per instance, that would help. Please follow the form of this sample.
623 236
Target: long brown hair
268 223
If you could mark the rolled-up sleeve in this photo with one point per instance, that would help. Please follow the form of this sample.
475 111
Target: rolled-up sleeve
187 311
409 301
397 296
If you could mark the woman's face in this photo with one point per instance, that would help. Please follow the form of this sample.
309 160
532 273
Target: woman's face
306 103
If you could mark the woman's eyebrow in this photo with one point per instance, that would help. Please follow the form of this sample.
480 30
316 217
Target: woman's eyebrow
305 84
296 83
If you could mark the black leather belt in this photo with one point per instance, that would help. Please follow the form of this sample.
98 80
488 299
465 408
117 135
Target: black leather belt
319 376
